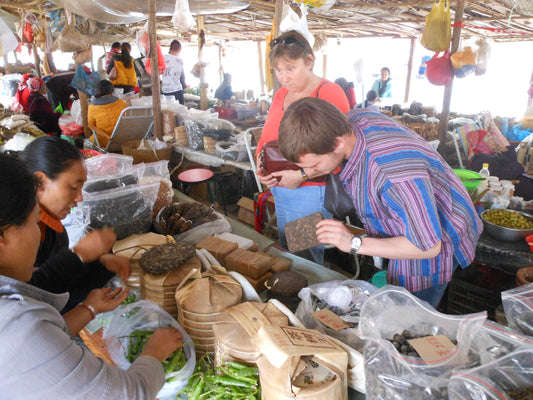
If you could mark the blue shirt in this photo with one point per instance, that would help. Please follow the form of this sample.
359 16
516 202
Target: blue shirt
400 186
384 87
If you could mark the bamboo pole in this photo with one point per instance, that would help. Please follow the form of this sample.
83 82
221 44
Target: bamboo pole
154 69
409 70
443 125
261 67
324 65
36 60
84 105
277 19
203 84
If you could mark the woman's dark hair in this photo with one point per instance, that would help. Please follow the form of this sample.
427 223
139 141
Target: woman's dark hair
104 88
50 155
19 192
386 69
125 49
291 44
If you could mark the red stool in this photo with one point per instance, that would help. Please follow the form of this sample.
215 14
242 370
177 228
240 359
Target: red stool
198 175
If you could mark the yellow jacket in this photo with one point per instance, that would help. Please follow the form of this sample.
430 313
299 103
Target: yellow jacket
125 76
105 116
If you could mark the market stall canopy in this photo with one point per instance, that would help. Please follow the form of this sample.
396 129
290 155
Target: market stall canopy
499 20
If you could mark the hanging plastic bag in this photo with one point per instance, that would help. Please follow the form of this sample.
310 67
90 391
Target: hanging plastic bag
8 41
518 307
161 62
393 314
463 62
439 69
84 82
483 55
438 30
290 21
143 40
317 5
145 315
182 18
70 39
83 56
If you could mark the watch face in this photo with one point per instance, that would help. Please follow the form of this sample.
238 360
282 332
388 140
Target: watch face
355 245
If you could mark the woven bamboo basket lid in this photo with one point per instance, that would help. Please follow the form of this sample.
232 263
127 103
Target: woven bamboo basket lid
209 145
180 134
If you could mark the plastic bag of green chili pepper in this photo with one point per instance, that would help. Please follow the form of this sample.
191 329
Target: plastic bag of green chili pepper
131 326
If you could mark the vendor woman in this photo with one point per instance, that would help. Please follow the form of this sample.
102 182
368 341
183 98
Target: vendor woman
39 357
60 172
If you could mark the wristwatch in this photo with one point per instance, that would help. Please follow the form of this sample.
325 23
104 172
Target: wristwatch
355 244
304 175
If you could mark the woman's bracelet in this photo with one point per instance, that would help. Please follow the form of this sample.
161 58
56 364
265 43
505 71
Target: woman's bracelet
90 308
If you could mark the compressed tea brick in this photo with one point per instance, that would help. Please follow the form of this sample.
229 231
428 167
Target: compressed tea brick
166 257
301 233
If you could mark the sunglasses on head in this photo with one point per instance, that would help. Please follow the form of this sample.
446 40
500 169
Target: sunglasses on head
289 41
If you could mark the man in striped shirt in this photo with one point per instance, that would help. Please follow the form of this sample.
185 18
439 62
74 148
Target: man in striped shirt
414 208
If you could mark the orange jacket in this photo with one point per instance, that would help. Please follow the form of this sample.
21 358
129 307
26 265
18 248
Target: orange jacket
105 117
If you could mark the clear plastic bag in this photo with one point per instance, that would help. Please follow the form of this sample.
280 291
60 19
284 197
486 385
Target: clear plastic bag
507 378
107 165
195 135
518 307
145 315
182 18
391 375
158 172
343 298
126 210
130 176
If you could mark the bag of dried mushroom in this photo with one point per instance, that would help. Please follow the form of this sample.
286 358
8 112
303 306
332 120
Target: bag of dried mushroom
158 172
418 346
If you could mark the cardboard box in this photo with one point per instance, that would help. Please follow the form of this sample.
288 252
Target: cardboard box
247 212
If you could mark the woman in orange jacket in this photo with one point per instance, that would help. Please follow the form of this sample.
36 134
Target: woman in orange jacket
105 110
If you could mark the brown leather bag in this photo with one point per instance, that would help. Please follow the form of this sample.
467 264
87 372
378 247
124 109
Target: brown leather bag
272 160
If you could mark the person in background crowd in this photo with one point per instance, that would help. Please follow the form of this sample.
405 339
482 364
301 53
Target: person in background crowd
104 111
224 91
530 91
20 102
173 80
115 49
123 62
348 89
36 341
40 110
60 172
382 86
415 210
293 59
370 102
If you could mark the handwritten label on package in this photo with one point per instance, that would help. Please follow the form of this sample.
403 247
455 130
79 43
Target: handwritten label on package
432 348
330 319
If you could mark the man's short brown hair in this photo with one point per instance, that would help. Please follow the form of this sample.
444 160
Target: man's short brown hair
175 45
311 125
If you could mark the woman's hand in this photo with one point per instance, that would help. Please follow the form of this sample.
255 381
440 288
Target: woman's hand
163 343
106 299
117 264
336 233
290 179
267 180
95 244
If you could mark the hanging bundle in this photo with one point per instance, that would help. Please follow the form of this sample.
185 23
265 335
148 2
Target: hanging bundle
463 62
439 69
437 32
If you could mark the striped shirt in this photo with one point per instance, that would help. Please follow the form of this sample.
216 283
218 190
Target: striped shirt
400 186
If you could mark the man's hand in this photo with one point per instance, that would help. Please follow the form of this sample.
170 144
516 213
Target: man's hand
336 233
117 264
